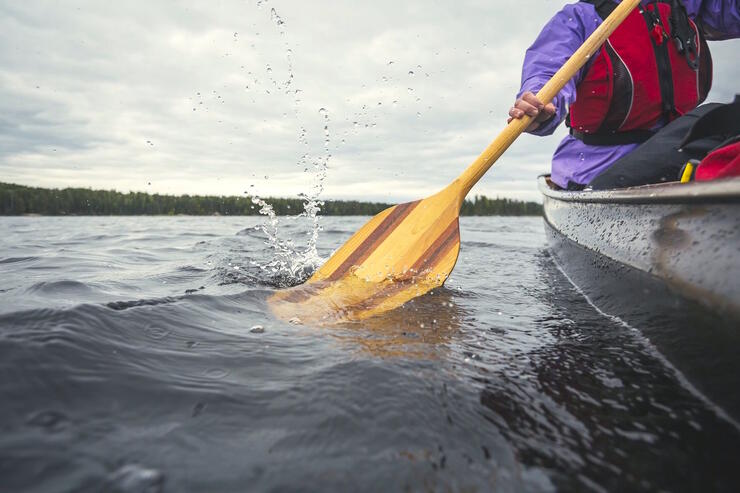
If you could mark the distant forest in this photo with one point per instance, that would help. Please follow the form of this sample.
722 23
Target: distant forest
18 200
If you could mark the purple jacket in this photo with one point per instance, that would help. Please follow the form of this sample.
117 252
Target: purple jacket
575 161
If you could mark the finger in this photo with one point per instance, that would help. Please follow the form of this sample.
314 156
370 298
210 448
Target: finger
532 99
515 112
527 108
546 113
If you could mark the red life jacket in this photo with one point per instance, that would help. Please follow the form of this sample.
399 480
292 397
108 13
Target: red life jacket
655 65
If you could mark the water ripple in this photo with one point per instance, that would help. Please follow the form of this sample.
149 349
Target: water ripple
132 368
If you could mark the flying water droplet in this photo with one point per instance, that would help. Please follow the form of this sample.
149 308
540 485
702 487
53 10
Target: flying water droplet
276 18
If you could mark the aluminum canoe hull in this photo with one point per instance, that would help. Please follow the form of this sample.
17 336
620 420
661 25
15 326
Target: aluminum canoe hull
687 235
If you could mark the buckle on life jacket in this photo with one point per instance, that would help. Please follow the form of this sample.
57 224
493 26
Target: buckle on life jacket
658 33
683 35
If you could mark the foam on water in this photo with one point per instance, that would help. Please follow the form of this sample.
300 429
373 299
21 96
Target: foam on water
290 264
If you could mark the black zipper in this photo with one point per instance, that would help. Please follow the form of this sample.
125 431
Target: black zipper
665 74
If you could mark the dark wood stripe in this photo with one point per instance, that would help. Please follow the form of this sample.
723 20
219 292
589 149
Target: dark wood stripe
379 234
433 254
438 249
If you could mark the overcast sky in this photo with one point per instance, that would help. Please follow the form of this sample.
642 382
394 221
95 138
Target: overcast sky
224 97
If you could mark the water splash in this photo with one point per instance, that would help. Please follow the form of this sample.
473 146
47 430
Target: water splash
292 264
293 260
295 257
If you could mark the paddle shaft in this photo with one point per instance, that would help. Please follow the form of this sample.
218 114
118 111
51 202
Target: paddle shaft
478 168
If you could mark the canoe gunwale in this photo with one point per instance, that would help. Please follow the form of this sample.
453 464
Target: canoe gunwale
726 190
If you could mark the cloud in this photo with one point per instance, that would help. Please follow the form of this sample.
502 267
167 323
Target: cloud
194 97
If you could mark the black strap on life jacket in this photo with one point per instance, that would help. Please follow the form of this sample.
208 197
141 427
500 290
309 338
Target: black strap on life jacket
663 60
613 139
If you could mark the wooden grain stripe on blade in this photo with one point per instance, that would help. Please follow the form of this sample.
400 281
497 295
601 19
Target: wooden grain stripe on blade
438 249
435 253
379 234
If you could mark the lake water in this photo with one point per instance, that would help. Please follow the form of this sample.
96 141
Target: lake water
130 361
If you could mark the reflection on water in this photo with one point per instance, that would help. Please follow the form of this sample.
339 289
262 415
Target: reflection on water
599 404
423 328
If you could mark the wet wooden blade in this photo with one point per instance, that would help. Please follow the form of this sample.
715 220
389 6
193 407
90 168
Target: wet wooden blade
401 253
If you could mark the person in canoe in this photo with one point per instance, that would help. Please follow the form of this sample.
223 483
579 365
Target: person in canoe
644 85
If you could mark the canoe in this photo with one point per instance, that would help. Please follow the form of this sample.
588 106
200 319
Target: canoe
687 235
664 259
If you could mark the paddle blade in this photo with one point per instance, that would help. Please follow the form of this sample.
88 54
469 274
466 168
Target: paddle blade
403 252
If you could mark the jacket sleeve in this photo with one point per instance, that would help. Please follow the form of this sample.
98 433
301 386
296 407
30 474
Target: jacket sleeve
557 41
719 18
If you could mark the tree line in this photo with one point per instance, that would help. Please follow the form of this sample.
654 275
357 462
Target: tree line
19 200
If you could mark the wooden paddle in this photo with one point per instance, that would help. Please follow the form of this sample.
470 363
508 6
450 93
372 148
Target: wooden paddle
410 249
